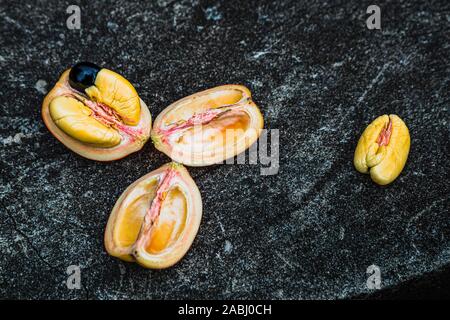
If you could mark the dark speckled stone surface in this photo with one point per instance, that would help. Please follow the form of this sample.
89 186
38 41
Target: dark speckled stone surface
319 75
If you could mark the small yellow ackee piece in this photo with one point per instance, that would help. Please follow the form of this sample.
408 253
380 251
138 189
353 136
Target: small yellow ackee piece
383 149
73 117
115 91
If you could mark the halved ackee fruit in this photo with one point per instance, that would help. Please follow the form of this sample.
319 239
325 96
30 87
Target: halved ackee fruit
383 149
96 113
156 219
208 127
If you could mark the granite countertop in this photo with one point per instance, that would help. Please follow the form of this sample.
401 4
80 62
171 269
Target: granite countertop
319 76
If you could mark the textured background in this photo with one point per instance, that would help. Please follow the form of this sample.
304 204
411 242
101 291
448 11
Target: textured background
319 75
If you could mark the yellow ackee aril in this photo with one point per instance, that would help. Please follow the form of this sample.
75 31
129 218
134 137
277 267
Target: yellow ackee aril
383 162
131 221
167 227
118 93
170 223
228 128
75 119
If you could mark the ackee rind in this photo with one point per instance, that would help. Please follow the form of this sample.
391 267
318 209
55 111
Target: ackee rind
156 219
208 127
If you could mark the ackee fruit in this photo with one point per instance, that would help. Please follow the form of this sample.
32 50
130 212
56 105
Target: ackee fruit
156 219
96 113
208 127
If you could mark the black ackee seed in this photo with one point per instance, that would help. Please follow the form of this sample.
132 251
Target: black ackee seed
82 75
